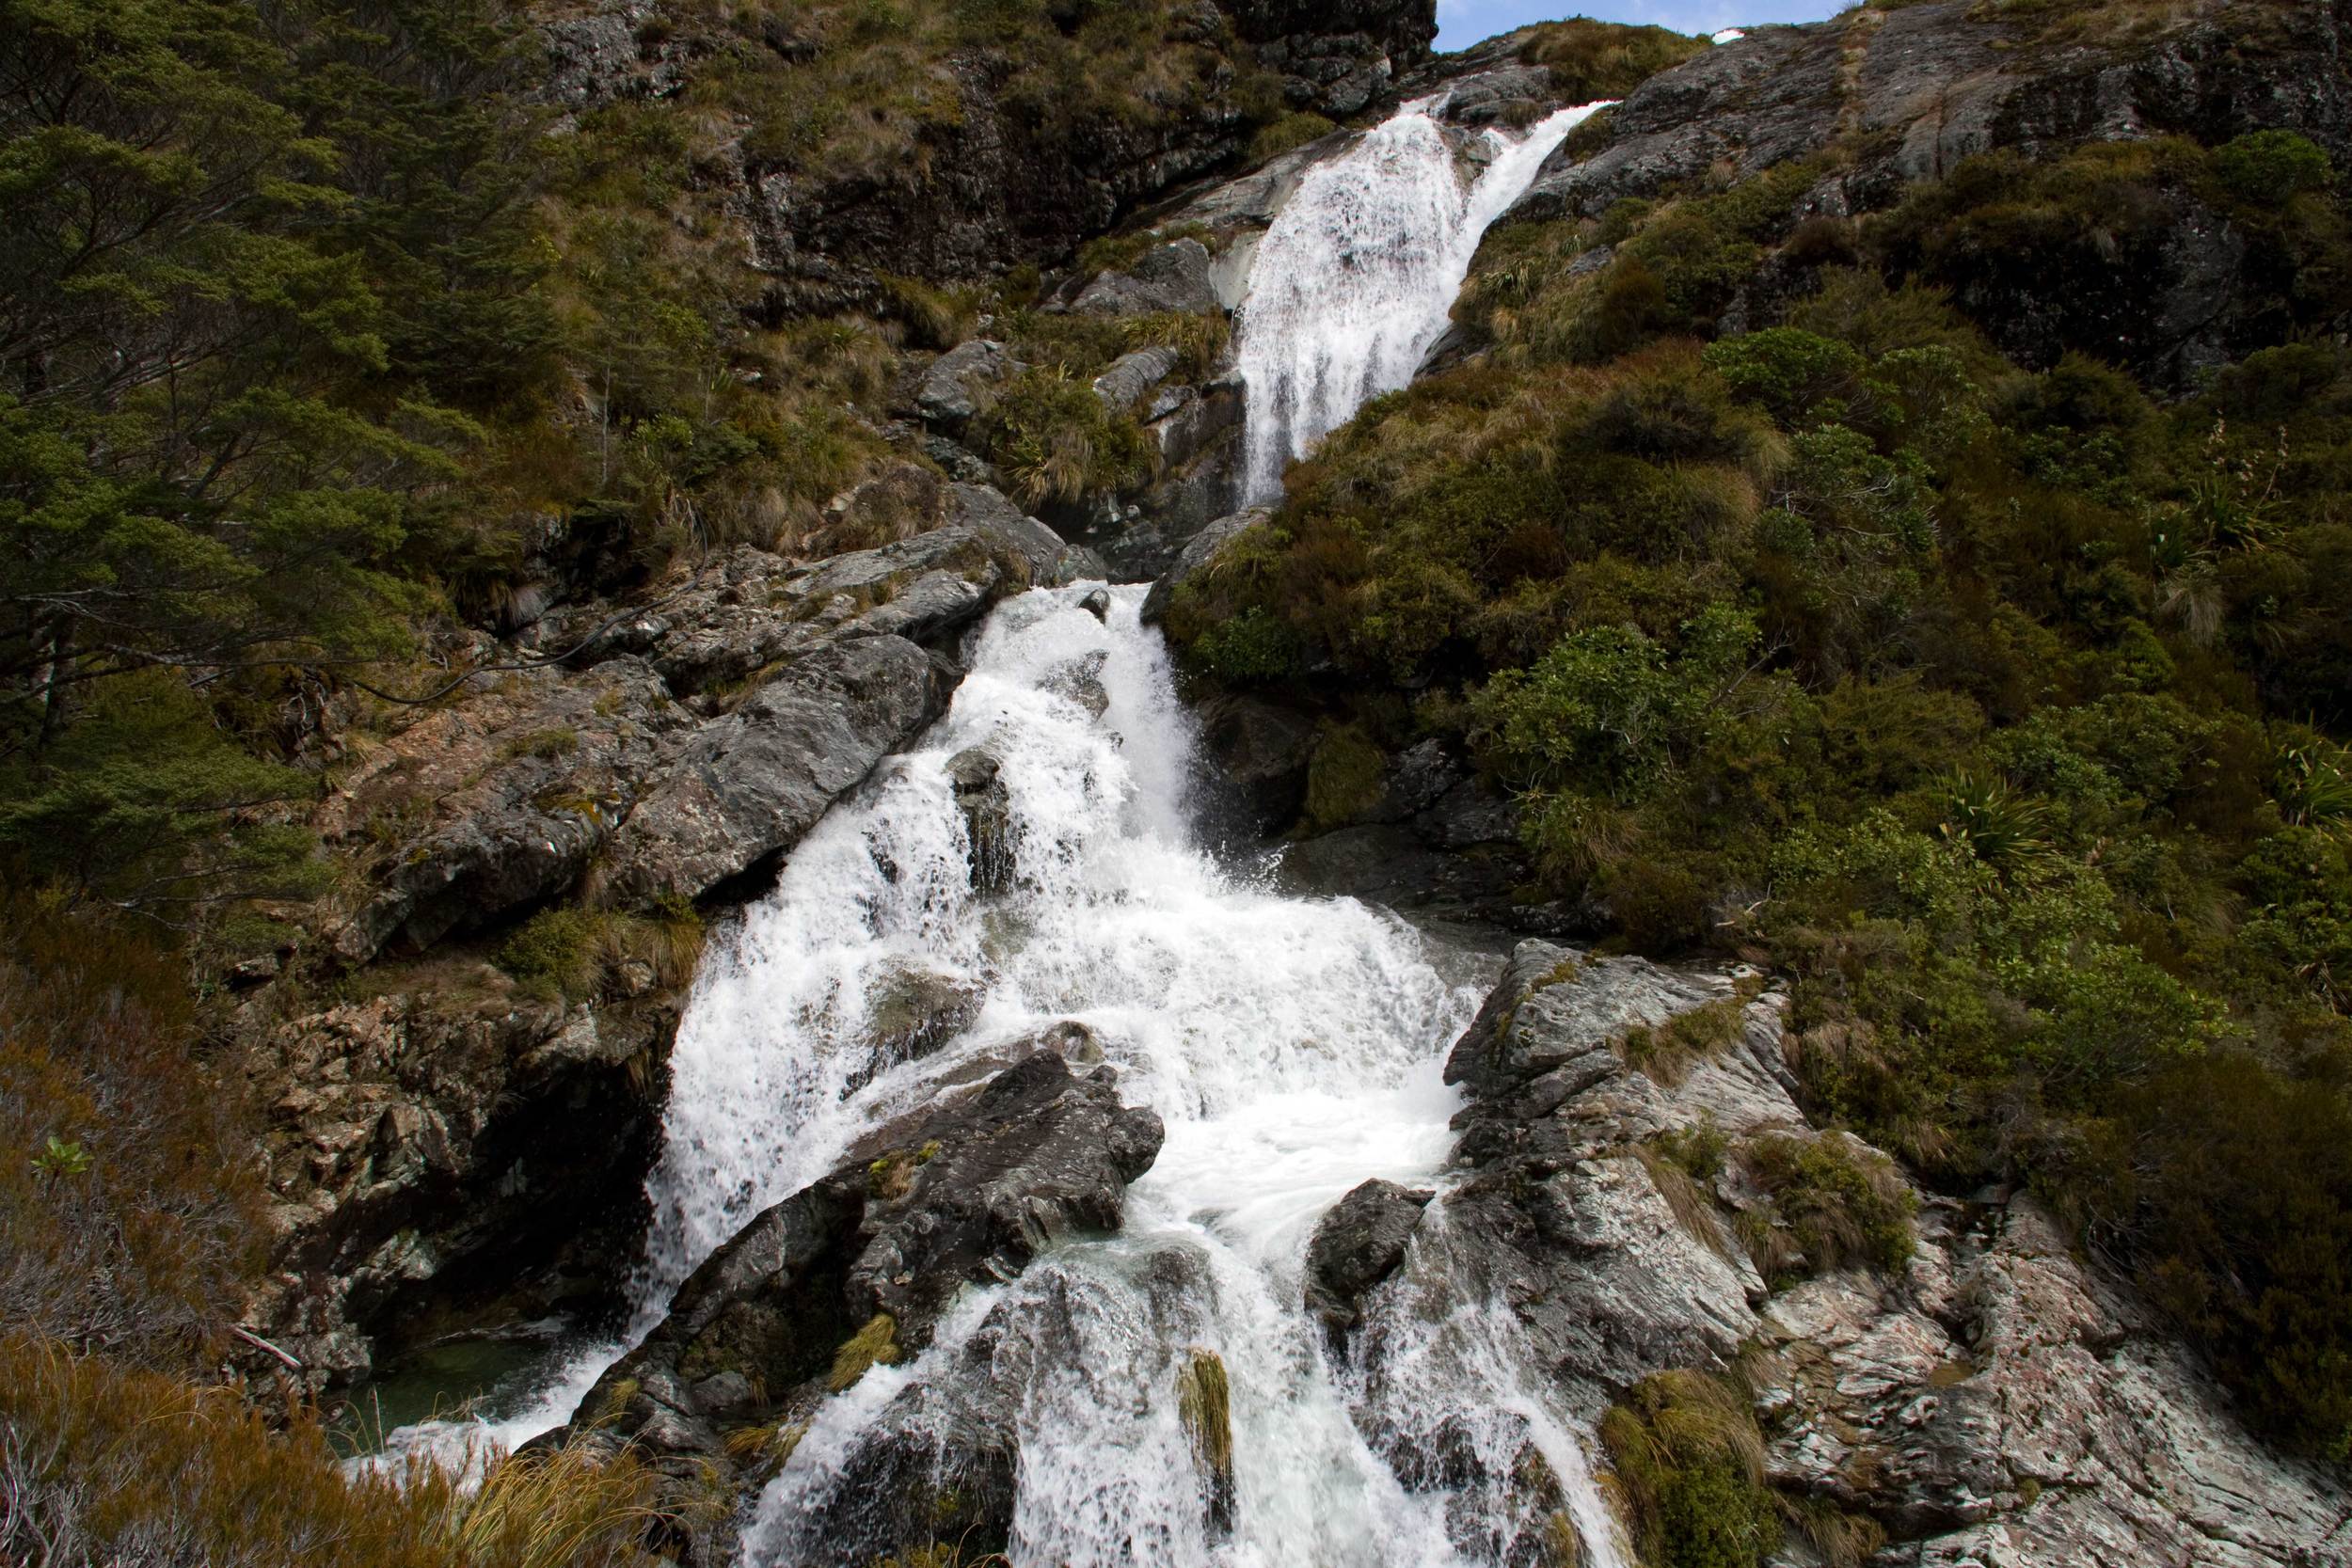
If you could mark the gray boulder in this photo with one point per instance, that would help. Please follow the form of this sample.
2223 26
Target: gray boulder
1131 376
953 388
750 786
1172 277
853 1271
1356 1246
988 824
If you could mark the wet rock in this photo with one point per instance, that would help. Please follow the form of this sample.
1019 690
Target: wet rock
1197 420
1198 556
1097 603
911 1013
461 1144
1072 1041
1198 434
1356 1246
748 786
1173 276
855 1269
988 822
1262 748
1081 681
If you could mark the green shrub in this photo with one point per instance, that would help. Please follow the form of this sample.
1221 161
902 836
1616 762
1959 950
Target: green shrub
1252 647
1787 370
1344 776
557 944
1610 707
1054 440
2272 168
1689 1461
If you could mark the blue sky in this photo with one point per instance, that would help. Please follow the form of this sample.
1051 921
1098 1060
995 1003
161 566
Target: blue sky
1463 23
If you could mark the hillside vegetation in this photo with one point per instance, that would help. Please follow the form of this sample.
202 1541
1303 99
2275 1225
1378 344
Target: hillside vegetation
1999 702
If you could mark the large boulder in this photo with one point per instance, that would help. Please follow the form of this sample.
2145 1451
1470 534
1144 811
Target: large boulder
496 803
1356 1246
854 1270
750 786
1177 276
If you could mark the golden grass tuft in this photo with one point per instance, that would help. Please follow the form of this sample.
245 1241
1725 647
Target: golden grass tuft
877 1342
111 1463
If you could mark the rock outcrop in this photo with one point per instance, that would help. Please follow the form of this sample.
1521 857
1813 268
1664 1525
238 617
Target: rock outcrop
472 1141
1913 91
422 1141
854 1270
1356 1246
993 184
1995 1399
646 763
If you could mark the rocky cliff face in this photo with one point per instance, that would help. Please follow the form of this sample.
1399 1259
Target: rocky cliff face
1978 1395
997 183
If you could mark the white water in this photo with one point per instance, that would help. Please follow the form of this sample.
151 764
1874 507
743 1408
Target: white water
1357 275
1293 1048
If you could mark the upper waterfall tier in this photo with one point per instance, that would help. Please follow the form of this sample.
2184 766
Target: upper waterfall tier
1356 279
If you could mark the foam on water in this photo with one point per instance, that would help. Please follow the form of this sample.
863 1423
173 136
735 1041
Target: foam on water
1357 275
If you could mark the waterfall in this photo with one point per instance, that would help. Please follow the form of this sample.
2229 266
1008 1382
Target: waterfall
1293 1048
1356 279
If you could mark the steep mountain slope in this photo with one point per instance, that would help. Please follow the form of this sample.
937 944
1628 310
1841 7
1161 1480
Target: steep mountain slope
486 483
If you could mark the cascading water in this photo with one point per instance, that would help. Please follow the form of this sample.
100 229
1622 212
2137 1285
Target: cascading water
1356 279
1293 1048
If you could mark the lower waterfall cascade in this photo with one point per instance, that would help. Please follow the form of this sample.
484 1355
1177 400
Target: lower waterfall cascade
1293 1048
1354 280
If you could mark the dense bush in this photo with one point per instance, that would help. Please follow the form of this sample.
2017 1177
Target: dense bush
130 1220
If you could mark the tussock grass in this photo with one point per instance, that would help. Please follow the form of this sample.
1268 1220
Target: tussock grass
1834 1203
877 1342
1689 1463
1670 1050
105 1464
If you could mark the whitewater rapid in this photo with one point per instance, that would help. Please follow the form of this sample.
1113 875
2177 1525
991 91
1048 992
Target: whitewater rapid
1357 275
1293 1048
